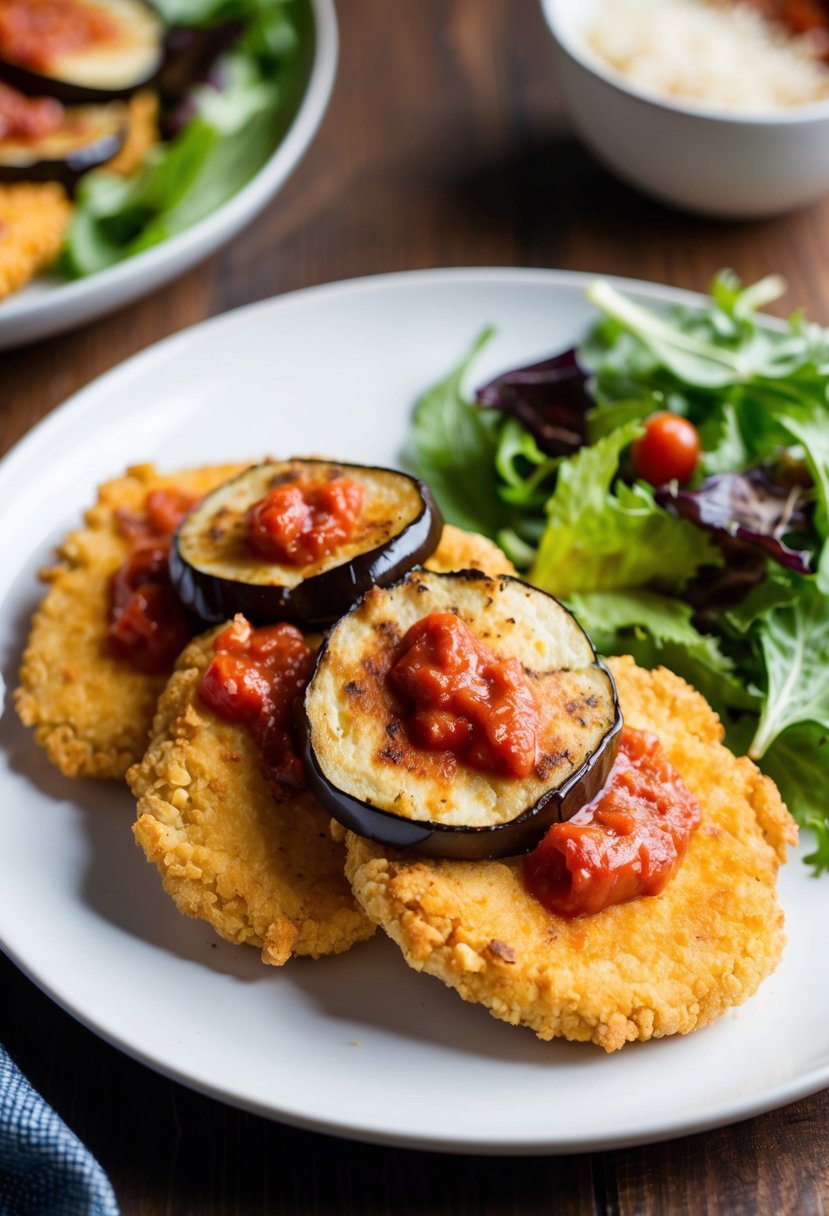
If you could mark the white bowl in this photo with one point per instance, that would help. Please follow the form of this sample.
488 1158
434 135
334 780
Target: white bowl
702 158
48 306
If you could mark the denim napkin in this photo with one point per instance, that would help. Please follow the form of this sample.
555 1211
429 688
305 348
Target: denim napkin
44 1168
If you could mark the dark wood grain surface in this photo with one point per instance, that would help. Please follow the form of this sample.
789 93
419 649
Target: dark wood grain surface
444 145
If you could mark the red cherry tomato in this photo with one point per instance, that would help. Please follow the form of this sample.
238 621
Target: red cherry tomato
668 450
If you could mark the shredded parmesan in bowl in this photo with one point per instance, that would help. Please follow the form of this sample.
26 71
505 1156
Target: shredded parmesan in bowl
707 52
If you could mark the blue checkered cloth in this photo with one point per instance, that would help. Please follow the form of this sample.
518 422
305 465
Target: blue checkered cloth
44 1168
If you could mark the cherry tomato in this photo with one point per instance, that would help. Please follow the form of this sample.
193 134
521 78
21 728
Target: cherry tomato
668 450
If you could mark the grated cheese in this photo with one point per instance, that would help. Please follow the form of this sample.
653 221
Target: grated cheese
704 51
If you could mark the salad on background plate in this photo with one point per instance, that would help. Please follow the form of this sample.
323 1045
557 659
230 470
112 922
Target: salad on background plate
668 479
122 124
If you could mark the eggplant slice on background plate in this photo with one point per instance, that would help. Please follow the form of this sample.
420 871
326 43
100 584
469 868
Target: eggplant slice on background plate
121 52
86 137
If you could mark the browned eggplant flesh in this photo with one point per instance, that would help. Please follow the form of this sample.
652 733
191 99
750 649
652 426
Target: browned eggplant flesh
364 767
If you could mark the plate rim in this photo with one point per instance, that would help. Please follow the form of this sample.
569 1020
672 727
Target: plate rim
778 1095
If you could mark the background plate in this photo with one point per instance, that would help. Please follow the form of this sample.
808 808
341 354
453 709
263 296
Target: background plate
358 1045
49 305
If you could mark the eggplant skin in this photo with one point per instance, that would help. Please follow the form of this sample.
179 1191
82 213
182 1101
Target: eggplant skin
358 760
66 82
33 162
320 598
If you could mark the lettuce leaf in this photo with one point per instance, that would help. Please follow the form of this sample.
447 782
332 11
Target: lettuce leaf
793 639
798 762
603 537
455 449
658 630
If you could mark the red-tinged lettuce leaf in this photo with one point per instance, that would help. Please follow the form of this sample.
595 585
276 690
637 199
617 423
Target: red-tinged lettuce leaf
549 398
749 507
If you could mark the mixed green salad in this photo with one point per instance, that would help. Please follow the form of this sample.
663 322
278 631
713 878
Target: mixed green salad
710 558
234 73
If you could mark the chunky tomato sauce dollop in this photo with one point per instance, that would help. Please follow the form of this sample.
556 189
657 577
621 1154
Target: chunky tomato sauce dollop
255 678
300 521
628 842
147 624
462 698
35 33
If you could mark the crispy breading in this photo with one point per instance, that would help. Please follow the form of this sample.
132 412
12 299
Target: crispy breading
656 966
459 550
91 711
142 134
259 872
33 220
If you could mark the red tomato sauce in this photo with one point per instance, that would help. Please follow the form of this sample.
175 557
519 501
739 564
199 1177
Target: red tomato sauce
35 33
464 699
628 842
301 521
26 119
255 678
147 625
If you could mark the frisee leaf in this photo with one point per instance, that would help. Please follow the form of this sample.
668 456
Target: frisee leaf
798 762
794 642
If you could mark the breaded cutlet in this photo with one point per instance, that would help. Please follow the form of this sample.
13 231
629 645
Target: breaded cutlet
33 221
91 711
260 872
660 965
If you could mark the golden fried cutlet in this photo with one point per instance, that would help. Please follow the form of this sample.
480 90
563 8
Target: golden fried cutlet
258 871
91 711
661 965
33 220
459 550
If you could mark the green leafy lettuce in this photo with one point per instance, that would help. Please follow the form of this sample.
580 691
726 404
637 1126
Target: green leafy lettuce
232 133
586 530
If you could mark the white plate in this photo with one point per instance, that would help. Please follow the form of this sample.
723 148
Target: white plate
49 305
358 1044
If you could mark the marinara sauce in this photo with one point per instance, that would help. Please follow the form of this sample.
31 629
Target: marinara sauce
462 698
628 842
27 119
255 678
300 521
37 32
147 625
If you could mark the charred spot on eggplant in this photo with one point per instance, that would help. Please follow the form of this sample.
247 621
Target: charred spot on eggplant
217 573
80 50
364 769
82 138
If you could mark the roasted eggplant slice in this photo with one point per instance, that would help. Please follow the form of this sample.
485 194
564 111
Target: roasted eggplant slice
217 573
79 50
360 757
87 136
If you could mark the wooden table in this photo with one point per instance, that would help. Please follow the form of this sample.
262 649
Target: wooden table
444 145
